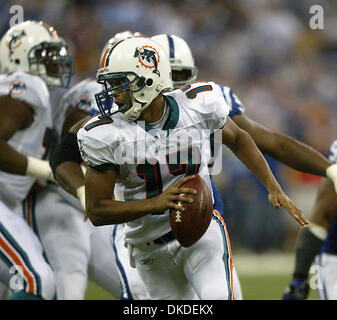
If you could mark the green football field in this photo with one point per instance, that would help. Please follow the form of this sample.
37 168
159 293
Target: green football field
262 277
253 288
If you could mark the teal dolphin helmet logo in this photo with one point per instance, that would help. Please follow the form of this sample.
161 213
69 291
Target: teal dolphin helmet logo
15 40
148 57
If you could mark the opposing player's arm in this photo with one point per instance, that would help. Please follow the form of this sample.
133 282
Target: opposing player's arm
288 150
243 146
102 210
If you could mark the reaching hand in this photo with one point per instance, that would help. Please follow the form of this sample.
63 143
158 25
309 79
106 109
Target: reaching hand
279 198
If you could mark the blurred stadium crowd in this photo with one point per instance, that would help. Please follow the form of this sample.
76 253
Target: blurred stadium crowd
283 72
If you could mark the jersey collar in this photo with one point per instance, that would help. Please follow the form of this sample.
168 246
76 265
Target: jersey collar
173 117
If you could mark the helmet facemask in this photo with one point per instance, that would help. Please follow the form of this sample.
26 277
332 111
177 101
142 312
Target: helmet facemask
115 84
52 62
183 75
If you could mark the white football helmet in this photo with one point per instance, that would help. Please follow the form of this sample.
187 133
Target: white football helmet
138 66
35 47
181 58
117 37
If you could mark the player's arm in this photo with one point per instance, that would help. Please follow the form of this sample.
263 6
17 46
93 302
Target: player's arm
288 150
65 160
74 119
102 210
17 115
243 146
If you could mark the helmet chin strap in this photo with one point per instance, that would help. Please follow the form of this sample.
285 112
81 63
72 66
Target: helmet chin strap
138 106
134 113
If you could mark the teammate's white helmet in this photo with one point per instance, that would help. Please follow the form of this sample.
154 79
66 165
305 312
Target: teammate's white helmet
138 66
181 58
36 48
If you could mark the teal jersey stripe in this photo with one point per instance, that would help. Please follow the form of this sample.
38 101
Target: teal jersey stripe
36 230
172 119
23 256
225 257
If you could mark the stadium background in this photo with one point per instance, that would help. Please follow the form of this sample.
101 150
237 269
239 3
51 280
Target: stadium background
282 71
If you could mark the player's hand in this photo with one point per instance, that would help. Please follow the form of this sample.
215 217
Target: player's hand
331 173
171 196
279 198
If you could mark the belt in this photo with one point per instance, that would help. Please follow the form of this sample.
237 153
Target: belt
165 238
151 244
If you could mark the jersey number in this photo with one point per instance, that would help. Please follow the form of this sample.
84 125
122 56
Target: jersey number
97 123
185 162
191 94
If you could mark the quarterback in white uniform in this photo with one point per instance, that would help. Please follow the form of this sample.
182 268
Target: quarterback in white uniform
115 146
32 57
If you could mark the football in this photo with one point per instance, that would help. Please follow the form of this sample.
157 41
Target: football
189 226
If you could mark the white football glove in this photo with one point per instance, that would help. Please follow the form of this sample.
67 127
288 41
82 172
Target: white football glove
331 173
40 169
80 193
84 169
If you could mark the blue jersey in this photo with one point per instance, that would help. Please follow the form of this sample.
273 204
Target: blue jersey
234 103
330 244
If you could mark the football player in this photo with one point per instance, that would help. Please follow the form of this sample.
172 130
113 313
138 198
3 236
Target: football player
33 59
136 74
80 97
319 240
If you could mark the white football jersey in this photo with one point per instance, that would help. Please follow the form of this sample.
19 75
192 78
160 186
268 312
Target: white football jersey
150 159
81 96
31 141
